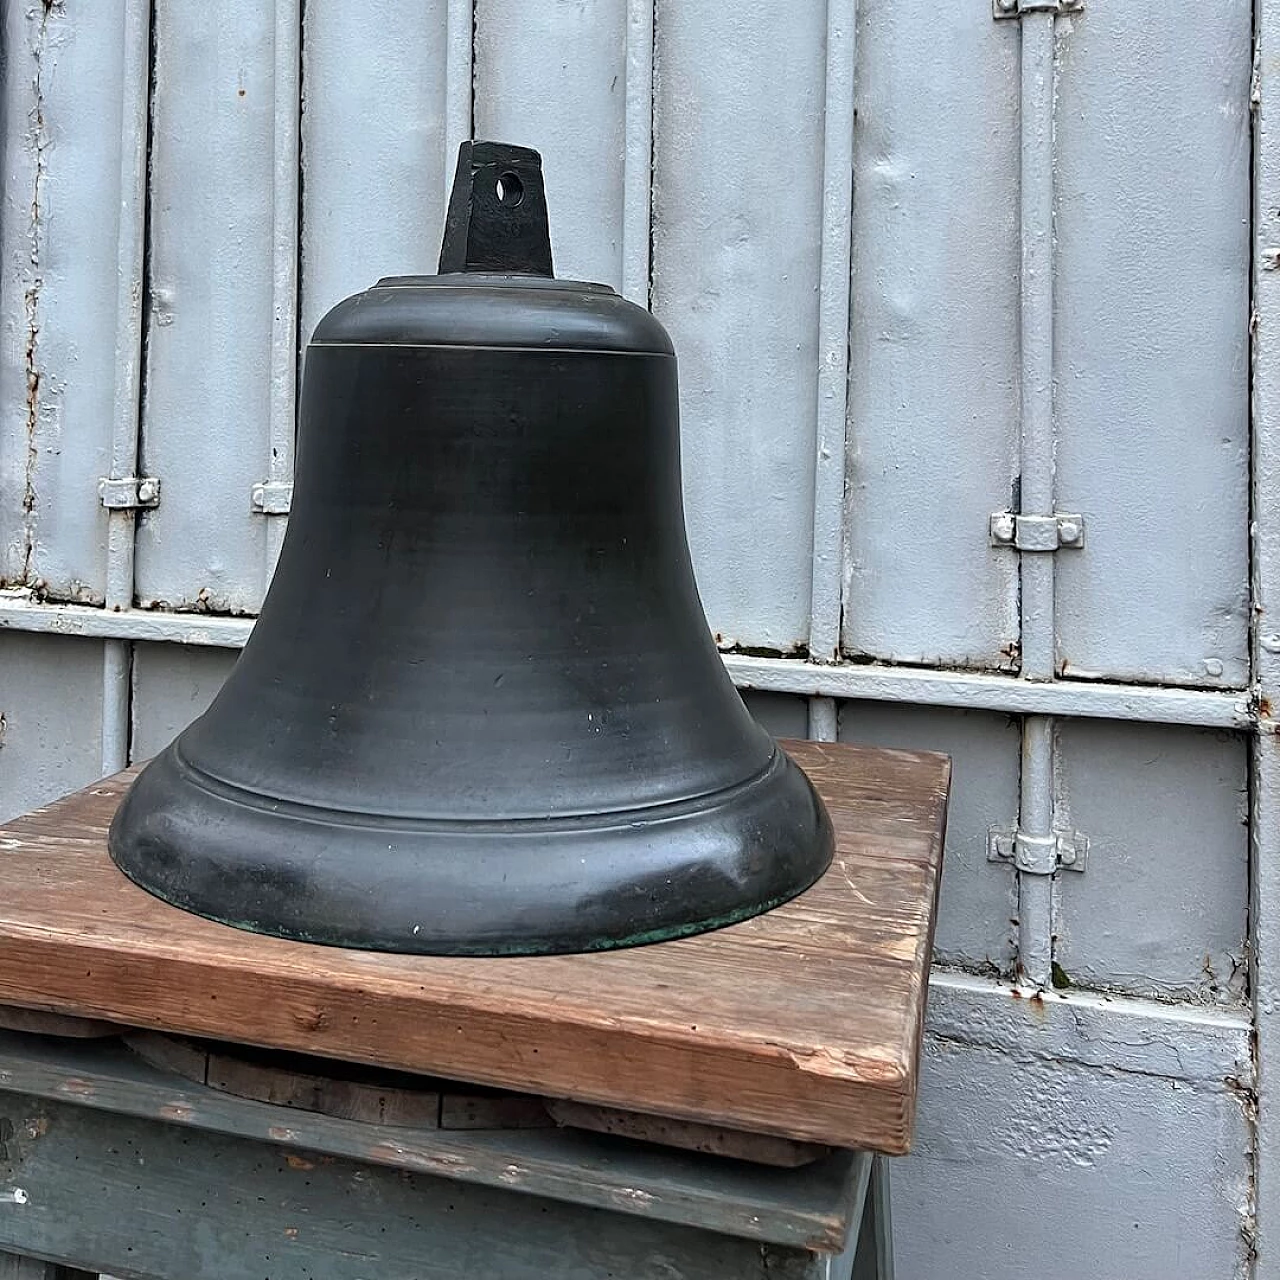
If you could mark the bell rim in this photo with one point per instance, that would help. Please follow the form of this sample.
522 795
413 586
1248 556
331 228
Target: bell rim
529 892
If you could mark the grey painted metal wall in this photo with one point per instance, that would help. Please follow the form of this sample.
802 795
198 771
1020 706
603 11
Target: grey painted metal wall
921 266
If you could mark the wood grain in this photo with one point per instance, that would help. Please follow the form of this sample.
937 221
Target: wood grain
804 1023
138 1198
811 1208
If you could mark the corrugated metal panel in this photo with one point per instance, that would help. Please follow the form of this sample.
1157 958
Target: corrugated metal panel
64 96
555 76
50 705
737 204
209 332
934 343
1152 341
373 145
978 902
172 685
1161 909
783 715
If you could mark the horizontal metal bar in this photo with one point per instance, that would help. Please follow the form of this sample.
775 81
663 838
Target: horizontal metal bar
1208 1047
988 691
974 690
19 614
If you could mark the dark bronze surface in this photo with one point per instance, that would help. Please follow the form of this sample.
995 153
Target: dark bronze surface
481 711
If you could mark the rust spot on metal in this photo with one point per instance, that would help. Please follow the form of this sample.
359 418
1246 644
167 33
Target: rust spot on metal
297 1162
178 1111
78 1088
279 1134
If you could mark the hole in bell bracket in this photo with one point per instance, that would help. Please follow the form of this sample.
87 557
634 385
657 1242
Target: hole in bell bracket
510 189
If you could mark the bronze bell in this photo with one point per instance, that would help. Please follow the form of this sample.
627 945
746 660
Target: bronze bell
481 712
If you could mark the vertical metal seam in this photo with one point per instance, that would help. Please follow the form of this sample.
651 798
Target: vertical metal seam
637 160
1264 797
1036 452
832 384
286 179
117 655
459 82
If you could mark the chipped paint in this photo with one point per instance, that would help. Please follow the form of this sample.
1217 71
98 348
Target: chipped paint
37 141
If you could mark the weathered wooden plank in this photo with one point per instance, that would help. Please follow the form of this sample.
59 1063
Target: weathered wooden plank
804 1022
13 1018
13 1267
807 1208
757 1147
144 1198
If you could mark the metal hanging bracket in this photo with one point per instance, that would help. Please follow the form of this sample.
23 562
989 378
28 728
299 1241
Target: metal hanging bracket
1017 8
272 497
1038 855
1037 533
497 217
129 493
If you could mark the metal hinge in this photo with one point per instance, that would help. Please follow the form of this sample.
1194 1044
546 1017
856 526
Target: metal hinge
1016 8
1038 855
272 498
1037 533
129 493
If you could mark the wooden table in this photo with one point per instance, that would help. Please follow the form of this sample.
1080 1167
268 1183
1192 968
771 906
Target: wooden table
801 1026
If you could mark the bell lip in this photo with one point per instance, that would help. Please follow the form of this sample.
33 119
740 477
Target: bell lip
637 882
493 280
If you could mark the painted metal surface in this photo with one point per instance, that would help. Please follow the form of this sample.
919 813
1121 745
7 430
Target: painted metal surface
1151 342
373 196
1264 866
933 336
572 107
732 167
1173 839
70 94
208 399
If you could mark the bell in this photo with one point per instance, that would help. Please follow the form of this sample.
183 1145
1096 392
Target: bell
481 712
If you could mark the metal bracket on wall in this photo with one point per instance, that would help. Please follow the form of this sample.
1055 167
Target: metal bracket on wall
129 493
1037 533
1016 8
1038 855
272 498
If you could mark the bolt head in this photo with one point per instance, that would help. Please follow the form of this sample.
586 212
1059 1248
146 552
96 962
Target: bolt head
1069 533
148 490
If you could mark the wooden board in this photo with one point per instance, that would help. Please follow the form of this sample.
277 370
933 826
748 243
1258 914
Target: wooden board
137 1198
812 1207
804 1022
